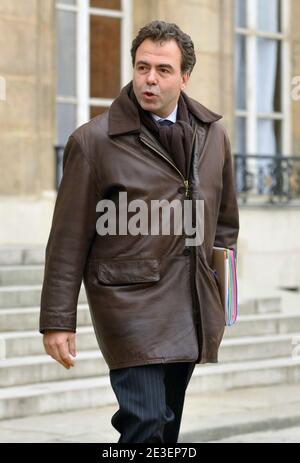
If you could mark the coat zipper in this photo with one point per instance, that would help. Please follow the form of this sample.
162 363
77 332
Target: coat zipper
197 316
185 181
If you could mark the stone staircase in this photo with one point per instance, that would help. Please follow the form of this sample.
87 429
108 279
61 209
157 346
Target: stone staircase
257 351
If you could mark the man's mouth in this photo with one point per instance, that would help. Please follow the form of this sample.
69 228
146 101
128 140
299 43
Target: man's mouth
149 94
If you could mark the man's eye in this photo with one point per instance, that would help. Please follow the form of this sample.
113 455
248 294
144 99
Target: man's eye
164 71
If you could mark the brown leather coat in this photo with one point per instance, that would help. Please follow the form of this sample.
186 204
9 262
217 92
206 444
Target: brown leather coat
151 298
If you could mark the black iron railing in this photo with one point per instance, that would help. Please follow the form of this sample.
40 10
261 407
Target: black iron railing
259 179
267 179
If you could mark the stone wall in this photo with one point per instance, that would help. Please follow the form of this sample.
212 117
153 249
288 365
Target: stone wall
27 114
268 247
295 71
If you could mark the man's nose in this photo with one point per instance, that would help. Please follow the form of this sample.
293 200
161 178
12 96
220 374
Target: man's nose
151 77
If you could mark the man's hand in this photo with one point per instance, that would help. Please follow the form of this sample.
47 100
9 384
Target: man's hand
59 345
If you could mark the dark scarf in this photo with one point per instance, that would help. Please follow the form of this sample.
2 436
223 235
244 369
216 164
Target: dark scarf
177 138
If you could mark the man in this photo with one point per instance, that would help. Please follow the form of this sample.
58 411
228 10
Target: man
154 300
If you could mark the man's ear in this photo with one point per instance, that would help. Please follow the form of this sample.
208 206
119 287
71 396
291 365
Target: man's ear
185 78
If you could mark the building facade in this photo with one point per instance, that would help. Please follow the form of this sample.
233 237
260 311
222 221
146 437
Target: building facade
63 62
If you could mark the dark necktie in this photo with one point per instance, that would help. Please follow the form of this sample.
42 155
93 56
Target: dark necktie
165 122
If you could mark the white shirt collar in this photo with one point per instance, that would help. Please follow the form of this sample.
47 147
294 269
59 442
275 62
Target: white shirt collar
171 117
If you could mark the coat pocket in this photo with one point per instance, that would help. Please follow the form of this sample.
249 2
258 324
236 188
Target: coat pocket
125 272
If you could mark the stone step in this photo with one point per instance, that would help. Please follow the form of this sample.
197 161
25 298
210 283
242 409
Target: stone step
29 295
22 255
20 296
27 318
261 305
20 275
16 275
29 343
258 347
24 369
214 377
266 324
56 396
43 368
26 296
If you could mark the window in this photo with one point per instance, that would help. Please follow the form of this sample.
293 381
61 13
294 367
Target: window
93 59
262 75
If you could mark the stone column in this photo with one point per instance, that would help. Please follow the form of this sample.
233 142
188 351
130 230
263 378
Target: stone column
295 71
27 65
27 114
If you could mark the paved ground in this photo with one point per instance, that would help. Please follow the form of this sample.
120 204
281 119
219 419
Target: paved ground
283 436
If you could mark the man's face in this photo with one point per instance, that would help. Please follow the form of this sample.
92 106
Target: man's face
157 78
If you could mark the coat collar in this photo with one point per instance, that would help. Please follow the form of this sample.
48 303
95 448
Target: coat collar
123 116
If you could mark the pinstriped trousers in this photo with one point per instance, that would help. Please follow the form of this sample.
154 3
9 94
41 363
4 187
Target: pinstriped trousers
151 399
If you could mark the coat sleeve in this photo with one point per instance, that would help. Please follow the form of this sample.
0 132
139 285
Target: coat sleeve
228 219
72 232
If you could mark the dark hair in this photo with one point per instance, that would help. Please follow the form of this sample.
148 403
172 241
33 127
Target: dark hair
160 31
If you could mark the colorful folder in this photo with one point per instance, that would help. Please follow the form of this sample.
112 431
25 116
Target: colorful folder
224 263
